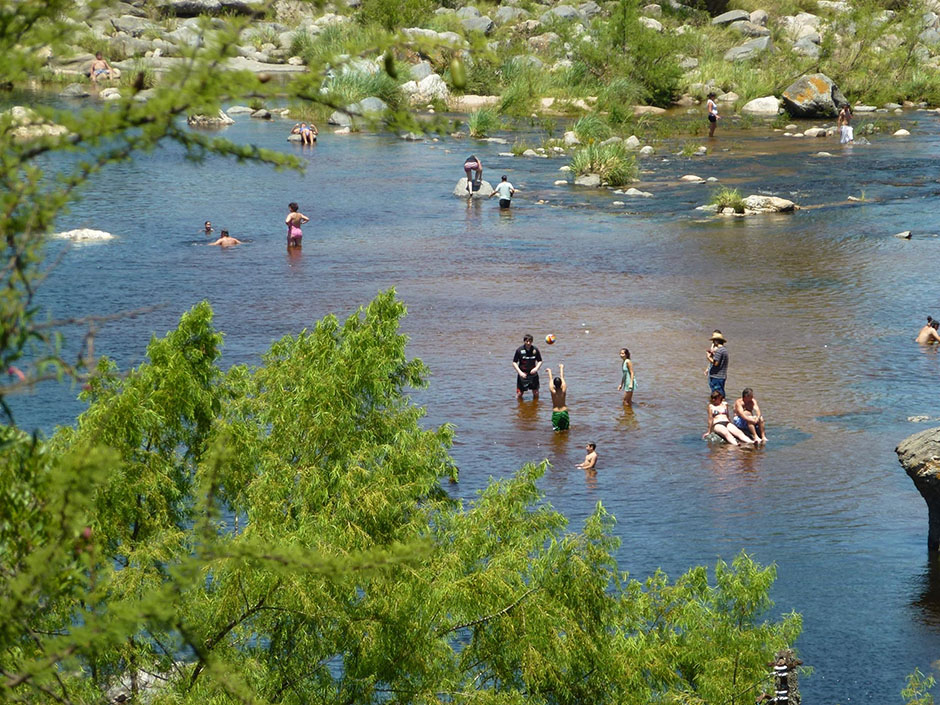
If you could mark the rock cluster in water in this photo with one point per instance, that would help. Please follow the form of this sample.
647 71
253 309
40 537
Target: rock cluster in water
919 455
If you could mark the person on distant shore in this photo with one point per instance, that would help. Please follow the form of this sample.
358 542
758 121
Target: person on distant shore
559 390
294 220
712 107
718 422
747 416
225 240
627 380
717 363
208 229
504 190
590 460
846 131
928 334
100 67
527 362
473 168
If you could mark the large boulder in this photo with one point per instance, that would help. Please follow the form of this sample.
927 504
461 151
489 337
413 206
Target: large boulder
370 108
731 16
195 8
507 13
134 26
30 126
768 105
813 95
919 455
768 204
478 24
481 189
562 12
806 47
749 49
749 29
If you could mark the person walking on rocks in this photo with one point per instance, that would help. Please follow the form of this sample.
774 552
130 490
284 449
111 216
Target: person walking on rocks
473 168
712 107
527 362
717 363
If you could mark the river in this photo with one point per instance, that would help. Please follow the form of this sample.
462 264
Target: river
820 309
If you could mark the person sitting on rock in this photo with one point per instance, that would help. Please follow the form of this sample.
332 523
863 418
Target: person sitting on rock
100 67
748 418
473 168
720 424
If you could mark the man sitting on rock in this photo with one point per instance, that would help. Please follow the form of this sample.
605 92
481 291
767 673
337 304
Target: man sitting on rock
747 416
100 67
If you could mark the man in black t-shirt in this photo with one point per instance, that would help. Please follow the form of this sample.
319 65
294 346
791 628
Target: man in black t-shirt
527 362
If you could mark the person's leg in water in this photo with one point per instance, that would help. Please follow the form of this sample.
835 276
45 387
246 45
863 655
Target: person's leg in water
469 173
739 434
628 397
722 430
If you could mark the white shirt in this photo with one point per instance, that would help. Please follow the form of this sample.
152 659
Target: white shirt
504 190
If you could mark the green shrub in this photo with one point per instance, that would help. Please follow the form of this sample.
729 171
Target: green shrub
726 197
520 146
612 162
395 14
352 86
482 122
140 75
591 128
525 84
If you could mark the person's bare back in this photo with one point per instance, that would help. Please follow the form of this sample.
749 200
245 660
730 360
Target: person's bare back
928 334
560 392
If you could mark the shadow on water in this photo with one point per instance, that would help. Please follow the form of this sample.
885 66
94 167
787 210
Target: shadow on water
927 602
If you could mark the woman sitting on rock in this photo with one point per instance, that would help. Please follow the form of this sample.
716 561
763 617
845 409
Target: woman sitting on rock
720 424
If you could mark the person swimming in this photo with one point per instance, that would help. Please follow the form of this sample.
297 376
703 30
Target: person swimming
294 220
928 334
225 240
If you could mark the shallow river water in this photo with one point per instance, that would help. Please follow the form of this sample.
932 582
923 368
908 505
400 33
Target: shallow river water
820 309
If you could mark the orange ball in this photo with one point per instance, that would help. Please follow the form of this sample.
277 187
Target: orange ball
550 339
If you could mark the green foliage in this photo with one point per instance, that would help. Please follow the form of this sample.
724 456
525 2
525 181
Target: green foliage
483 122
525 85
591 128
520 146
349 87
612 162
917 690
726 197
392 15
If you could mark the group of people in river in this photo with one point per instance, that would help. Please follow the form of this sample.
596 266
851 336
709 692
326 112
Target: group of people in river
293 221
743 425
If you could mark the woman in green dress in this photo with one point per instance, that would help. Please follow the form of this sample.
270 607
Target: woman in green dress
627 381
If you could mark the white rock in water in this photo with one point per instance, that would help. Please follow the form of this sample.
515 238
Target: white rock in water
692 179
637 192
902 133
83 235
561 182
905 235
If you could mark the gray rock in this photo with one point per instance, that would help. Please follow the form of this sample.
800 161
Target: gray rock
891 106
562 12
768 105
768 204
813 95
611 140
445 11
467 12
589 180
506 14
749 29
749 49
478 24
904 235
481 189
262 114
918 456
542 42
759 17
731 16
134 26
806 47
75 90
687 63
930 37
653 10
190 8
590 9
131 46
421 70
212 121
650 23
369 106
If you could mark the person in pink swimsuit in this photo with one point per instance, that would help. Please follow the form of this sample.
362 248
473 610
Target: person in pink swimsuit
294 220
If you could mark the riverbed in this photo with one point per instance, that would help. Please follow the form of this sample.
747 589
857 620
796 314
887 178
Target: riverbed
820 308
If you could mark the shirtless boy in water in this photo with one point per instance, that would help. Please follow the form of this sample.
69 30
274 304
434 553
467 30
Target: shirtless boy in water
225 240
559 390
590 460
928 334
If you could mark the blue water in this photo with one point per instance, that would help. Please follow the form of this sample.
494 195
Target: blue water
820 308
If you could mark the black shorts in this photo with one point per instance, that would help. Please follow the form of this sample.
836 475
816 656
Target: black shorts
527 383
712 118
504 203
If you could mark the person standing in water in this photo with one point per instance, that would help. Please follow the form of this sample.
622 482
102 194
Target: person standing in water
560 419
527 361
712 107
717 363
504 190
846 131
627 380
294 220
590 459
928 334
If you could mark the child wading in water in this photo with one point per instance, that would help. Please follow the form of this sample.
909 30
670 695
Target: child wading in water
590 460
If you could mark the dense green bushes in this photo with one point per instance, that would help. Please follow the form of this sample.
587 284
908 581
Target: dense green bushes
612 162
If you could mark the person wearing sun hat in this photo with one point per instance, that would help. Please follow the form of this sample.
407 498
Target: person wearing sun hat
717 363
